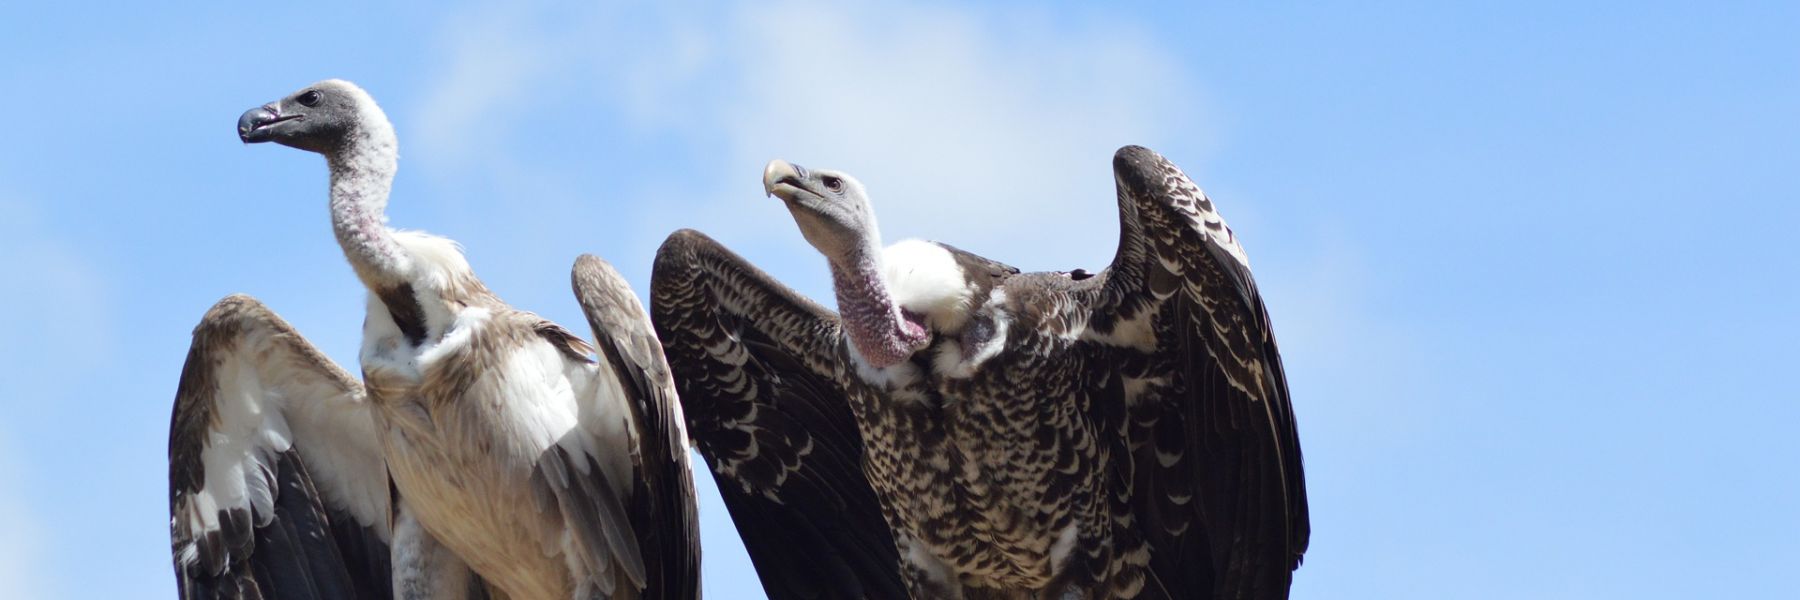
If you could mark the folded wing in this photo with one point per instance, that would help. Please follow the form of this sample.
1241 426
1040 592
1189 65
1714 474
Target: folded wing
660 506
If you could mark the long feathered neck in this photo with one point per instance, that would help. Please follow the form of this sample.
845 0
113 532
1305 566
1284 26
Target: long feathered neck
362 171
882 333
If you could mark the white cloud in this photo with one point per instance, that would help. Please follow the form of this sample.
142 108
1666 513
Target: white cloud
967 124
493 67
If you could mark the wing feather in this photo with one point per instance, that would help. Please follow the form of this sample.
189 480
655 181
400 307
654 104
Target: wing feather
277 488
759 370
1217 474
661 505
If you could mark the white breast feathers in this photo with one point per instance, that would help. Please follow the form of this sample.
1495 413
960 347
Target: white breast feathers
924 279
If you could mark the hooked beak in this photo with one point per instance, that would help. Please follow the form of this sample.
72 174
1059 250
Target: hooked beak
783 179
254 125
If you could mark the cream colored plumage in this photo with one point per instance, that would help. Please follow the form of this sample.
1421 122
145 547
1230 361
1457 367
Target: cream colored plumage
519 465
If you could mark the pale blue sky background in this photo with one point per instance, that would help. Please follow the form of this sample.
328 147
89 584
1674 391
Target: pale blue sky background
1533 267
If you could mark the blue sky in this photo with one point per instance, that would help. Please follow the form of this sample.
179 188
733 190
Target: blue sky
1532 266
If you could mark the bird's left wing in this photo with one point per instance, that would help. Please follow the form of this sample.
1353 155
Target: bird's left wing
660 506
1215 480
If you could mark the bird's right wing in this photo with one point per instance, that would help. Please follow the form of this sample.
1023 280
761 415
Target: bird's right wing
277 486
761 375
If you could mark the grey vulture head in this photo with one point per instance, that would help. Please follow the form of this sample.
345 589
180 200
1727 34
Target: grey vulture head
320 118
831 208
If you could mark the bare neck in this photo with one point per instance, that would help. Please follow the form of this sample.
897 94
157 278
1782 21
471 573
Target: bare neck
882 334
362 171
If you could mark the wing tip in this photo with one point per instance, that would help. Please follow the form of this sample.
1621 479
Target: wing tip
593 263
229 311
1135 157
683 243
1139 169
1130 151
592 275
680 254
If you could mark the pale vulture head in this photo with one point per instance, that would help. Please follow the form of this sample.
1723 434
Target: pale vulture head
831 208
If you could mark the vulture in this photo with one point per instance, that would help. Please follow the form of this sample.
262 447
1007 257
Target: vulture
483 452
959 429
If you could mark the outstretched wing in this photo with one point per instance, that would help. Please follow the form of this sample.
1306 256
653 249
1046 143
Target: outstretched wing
1216 475
277 486
759 371
661 505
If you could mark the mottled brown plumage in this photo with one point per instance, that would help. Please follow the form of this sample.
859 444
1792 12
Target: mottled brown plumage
1131 437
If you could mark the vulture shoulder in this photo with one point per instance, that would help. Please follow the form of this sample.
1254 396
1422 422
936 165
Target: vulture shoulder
1216 475
760 373
277 486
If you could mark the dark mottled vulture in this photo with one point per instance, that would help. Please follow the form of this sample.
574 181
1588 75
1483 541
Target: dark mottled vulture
486 453
1125 434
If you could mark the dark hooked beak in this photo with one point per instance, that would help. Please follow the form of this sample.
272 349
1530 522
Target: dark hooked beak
253 126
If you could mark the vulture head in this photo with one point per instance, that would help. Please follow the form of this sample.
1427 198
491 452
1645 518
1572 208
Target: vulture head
833 212
831 208
322 117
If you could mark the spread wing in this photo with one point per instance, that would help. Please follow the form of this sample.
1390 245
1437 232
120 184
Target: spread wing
277 486
1216 471
661 504
759 371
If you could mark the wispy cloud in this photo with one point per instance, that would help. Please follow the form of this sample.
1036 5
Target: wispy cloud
965 123
986 128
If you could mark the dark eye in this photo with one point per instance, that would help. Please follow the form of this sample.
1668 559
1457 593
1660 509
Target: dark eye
310 98
833 183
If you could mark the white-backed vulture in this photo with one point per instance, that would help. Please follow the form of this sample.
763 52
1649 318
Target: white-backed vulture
484 451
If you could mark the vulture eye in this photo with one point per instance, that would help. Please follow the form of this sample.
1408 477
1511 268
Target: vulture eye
833 183
310 98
